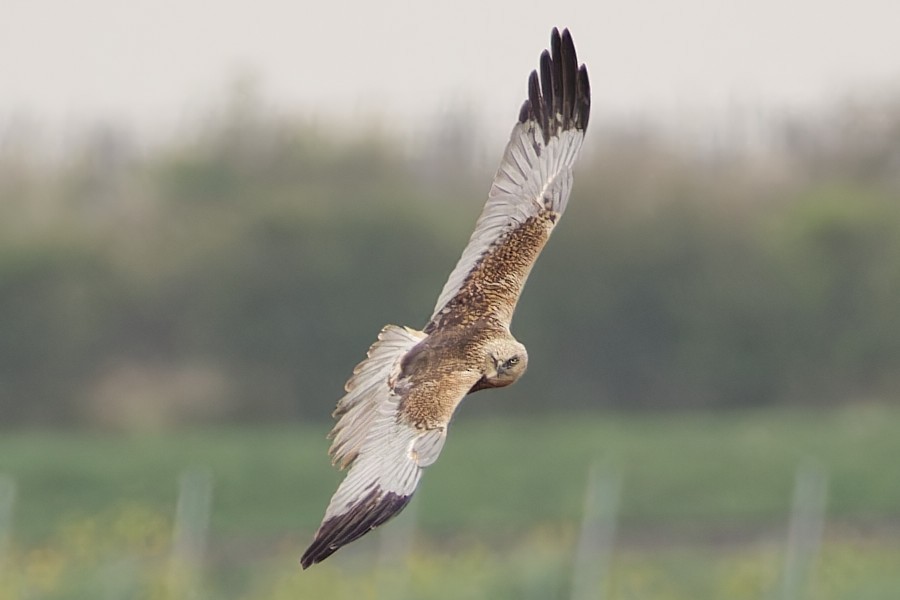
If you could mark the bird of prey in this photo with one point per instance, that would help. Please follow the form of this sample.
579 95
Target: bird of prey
392 422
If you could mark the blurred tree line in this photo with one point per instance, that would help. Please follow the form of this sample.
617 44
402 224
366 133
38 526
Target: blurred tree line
240 272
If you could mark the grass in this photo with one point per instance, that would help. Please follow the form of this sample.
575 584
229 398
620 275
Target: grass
493 474
124 554
704 507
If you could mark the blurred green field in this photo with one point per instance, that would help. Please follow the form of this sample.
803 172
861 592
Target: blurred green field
704 509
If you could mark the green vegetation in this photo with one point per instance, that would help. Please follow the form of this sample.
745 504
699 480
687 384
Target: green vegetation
494 475
704 507
126 556
237 274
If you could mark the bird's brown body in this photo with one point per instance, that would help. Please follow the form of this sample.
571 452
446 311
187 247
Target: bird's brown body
439 368
392 422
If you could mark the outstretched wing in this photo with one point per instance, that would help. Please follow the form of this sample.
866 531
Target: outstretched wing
528 195
384 449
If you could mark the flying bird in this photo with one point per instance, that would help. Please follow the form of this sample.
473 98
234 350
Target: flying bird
392 422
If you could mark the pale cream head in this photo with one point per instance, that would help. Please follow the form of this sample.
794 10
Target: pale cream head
505 361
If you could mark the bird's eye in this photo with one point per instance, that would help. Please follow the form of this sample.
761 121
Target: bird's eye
512 361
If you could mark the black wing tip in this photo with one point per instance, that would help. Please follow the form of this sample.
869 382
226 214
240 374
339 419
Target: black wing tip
375 509
583 98
559 99
524 111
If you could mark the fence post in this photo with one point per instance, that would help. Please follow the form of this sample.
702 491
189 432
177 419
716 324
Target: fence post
593 555
7 501
805 530
191 527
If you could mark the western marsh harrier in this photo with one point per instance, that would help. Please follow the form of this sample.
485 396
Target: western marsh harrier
392 422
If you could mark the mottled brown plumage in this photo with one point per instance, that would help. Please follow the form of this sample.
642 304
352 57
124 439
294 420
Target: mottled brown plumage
494 284
392 422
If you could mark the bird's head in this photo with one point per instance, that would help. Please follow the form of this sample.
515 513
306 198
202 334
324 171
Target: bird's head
505 361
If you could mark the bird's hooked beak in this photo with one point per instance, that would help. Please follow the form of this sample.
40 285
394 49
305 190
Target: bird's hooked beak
487 380
500 367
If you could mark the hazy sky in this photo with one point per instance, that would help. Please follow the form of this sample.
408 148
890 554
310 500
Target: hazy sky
157 62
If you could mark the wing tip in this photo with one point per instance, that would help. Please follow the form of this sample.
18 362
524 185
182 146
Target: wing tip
375 509
559 99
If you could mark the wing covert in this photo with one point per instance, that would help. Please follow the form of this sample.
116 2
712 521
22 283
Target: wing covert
369 387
